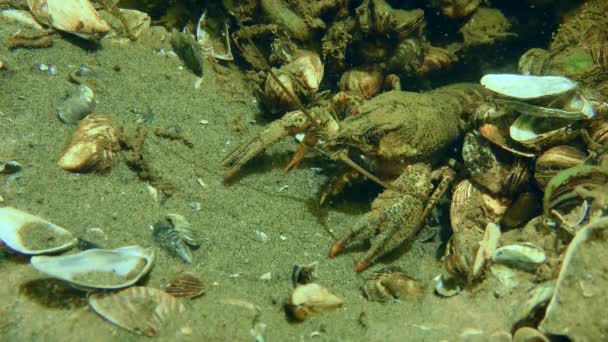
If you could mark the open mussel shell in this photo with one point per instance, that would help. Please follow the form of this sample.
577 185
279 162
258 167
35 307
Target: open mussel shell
499 136
576 107
523 87
29 234
567 190
537 132
98 268
141 310
311 298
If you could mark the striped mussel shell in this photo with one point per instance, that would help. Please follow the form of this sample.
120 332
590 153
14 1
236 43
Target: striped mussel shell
184 229
556 159
302 77
186 285
141 310
95 145
170 240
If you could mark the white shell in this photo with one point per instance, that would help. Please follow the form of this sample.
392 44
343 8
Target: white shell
98 268
78 17
312 298
527 128
525 256
527 87
29 234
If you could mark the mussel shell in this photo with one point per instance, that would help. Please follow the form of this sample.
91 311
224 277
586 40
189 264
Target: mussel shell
29 234
554 160
76 106
98 268
141 310
170 240
534 132
527 87
184 229
186 285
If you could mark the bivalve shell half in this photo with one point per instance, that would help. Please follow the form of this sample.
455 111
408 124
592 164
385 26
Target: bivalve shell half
78 17
524 256
527 87
186 285
141 310
95 145
311 298
98 268
554 160
29 234
536 132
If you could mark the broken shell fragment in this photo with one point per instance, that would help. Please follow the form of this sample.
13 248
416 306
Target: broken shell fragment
525 256
391 284
78 17
94 146
98 268
170 240
186 285
141 310
76 106
311 298
29 234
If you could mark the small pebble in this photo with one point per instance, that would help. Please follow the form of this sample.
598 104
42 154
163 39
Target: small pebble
266 276
261 236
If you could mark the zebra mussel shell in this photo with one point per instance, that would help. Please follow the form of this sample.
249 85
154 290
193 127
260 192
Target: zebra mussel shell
184 230
186 285
176 235
95 145
141 310
170 240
